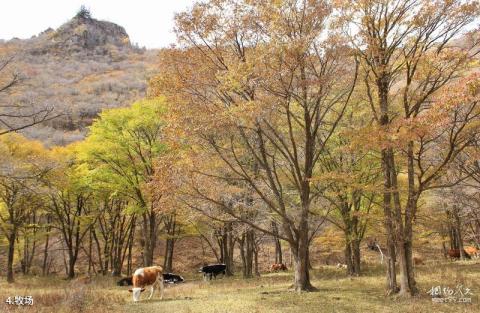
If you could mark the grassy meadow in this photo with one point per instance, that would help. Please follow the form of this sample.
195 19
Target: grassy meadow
267 294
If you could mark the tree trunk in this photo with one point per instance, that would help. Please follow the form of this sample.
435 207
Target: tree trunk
301 271
255 258
171 229
400 237
169 249
130 247
90 244
410 212
150 237
278 245
241 244
458 227
383 86
356 257
45 249
106 253
249 252
11 252
247 243
301 262
99 250
388 222
349 256
72 260
227 247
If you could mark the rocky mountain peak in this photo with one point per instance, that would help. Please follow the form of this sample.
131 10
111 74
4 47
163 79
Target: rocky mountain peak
83 33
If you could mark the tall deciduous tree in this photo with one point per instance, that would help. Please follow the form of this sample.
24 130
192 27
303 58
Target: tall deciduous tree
23 164
71 193
408 56
120 151
263 85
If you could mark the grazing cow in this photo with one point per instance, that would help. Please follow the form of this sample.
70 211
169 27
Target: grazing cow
211 271
455 254
472 252
278 267
147 276
168 278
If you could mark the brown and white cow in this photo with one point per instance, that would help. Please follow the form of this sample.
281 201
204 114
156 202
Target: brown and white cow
472 251
455 254
278 267
144 277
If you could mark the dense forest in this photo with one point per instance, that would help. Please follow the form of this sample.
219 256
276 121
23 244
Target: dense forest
289 132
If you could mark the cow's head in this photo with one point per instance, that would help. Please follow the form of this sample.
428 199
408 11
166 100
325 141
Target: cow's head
136 293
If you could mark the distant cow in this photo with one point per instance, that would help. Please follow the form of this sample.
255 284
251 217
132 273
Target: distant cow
472 251
127 281
278 267
147 276
418 261
168 278
211 271
341 265
455 254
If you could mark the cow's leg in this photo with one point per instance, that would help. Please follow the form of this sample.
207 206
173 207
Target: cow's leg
152 289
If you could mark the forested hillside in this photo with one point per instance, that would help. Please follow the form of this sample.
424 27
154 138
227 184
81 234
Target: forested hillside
79 69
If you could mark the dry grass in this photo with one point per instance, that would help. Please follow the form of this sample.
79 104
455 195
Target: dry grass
268 294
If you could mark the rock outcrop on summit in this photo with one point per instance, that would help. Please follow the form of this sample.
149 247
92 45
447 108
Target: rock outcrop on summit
83 34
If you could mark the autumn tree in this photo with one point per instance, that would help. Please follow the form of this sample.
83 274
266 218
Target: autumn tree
166 185
349 179
23 165
262 86
408 56
113 233
71 205
120 151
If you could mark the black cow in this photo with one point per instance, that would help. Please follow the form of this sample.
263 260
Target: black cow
127 281
211 271
168 278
